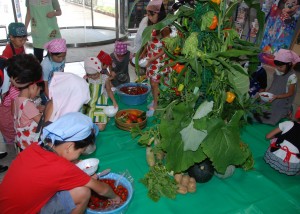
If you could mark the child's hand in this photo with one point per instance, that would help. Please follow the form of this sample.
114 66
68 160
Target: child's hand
115 105
273 98
51 14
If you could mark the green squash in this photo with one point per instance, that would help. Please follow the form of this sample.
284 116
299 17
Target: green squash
202 172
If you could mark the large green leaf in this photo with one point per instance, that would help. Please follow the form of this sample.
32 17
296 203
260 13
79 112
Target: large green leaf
177 159
222 144
240 81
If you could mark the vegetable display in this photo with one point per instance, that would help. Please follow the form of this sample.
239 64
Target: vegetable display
201 113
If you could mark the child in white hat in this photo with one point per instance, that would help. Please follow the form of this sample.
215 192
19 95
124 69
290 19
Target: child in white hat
100 90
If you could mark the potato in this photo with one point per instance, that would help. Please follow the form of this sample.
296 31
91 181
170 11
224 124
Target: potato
191 190
181 189
178 178
191 185
185 180
192 180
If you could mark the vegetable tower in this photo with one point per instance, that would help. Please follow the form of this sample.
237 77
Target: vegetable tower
206 104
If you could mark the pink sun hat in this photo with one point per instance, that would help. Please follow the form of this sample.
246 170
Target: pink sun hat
120 48
284 55
56 46
154 6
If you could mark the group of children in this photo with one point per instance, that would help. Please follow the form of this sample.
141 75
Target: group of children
63 93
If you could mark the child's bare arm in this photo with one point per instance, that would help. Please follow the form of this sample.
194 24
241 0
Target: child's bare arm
46 89
272 133
48 110
37 118
110 94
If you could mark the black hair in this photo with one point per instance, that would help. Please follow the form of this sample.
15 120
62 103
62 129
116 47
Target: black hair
90 140
161 15
297 67
289 65
24 68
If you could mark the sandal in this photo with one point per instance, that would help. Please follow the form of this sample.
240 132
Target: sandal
150 105
150 112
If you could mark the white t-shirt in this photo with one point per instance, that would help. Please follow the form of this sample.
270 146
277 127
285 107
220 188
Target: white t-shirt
291 80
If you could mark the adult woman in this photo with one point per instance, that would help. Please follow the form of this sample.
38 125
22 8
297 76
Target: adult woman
43 177
42 16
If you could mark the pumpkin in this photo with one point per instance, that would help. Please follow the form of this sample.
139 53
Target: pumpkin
202 172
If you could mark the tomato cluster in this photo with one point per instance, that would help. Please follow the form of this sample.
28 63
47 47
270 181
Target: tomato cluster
134 90
132 117
98 202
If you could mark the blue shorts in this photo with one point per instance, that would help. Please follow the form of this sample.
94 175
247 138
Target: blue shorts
61 202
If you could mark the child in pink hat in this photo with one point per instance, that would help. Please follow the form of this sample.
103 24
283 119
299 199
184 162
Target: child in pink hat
283 87
54 61
120 61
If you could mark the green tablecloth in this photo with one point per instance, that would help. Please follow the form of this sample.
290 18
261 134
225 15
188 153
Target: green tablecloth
261 190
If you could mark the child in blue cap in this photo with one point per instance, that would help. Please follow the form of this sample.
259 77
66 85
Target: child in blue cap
17 35
44 179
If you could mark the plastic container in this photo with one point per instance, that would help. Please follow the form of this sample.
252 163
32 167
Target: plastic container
133 99
110 111
266 96
125 183
89 166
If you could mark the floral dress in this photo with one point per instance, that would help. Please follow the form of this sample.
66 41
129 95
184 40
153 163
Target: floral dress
25 135
154 47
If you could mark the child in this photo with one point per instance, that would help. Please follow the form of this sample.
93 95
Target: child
26 114
283 87
54 61
120 61
258 81
154 51
20 71
100 88
58 185
17 36
68 93
284 152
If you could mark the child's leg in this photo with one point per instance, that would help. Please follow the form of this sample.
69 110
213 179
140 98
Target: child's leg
155 90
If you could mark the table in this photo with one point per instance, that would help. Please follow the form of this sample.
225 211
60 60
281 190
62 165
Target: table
261 190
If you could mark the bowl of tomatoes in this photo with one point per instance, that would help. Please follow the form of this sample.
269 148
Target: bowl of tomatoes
133 93
101 205
266 96
129 118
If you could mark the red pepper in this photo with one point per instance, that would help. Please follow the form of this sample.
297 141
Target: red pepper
214 23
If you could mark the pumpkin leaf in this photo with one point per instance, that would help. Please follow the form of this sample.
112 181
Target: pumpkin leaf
222 145
192 137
